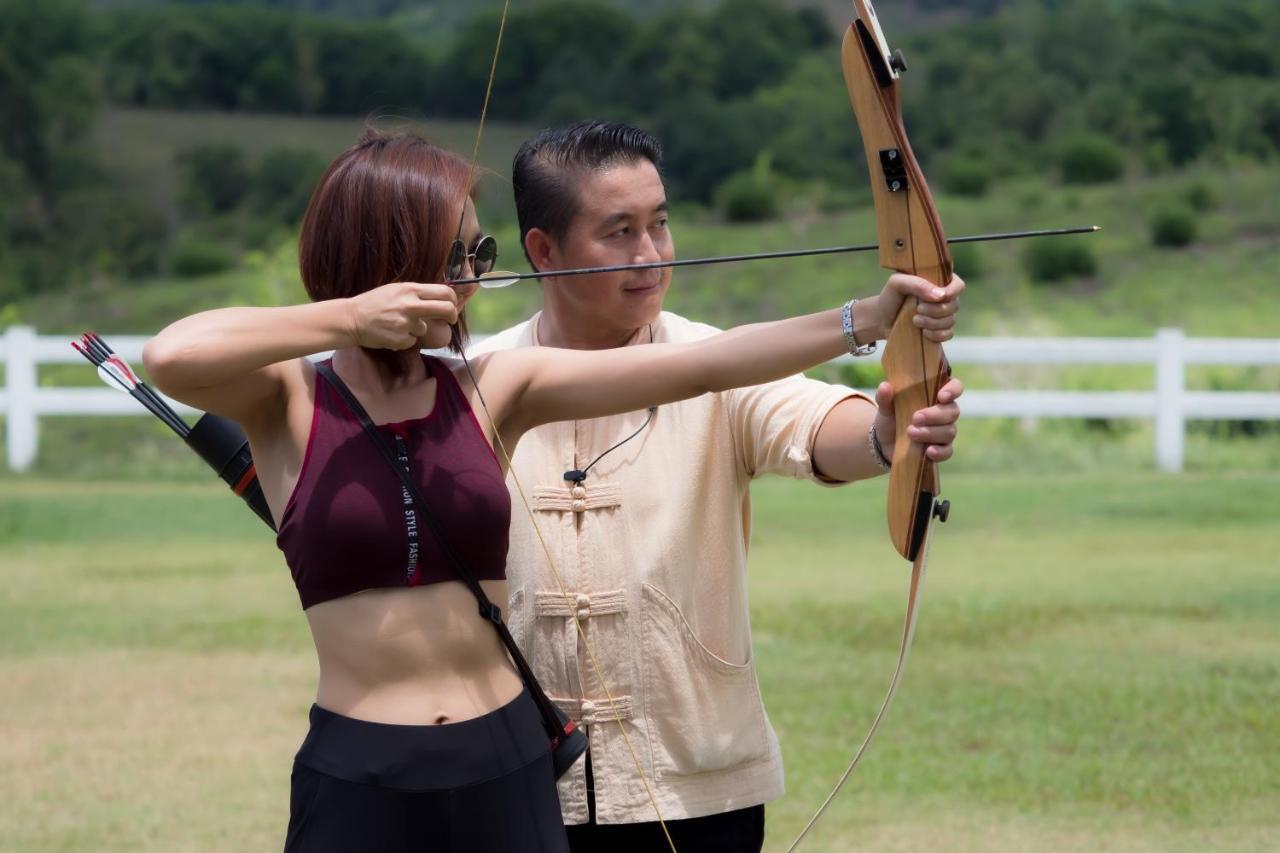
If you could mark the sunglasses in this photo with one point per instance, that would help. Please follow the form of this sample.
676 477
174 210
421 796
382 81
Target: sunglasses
482 257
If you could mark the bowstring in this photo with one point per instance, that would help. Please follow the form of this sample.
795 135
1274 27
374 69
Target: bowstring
904 653
497 436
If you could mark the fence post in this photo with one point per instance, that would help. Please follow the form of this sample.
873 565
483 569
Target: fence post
21 427
1171 382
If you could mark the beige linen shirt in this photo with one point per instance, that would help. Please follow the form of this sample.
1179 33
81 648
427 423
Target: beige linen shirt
652 548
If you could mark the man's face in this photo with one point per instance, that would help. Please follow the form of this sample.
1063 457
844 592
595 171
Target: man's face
622 219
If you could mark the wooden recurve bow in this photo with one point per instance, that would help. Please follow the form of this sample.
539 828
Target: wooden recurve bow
911 240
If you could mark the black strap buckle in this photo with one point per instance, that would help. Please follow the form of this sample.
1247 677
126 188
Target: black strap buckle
491 611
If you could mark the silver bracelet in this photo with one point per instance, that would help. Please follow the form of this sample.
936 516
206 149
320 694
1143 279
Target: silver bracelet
877 452
846 322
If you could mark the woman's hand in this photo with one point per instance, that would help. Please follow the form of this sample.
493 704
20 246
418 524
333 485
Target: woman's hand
934 427
935 310
401 315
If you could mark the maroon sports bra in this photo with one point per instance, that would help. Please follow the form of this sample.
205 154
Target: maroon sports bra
349 526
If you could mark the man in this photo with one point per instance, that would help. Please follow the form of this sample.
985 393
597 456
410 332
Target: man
650 536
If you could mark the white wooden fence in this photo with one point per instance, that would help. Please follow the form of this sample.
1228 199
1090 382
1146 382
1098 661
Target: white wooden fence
23 402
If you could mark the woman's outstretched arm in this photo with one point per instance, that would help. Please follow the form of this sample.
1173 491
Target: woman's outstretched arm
235 361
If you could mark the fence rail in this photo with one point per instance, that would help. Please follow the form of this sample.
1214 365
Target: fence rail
1169 403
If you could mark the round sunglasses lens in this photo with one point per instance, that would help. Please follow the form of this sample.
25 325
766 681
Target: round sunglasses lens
485 254
457 257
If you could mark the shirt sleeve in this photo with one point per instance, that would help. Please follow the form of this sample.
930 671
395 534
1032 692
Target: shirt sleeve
775 425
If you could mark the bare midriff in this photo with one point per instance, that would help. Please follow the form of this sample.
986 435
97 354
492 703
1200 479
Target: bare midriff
412 656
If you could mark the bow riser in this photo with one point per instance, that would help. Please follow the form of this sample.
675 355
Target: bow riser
913 479
912 241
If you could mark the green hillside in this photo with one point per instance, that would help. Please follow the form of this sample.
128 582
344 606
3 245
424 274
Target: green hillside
142 146
1223 283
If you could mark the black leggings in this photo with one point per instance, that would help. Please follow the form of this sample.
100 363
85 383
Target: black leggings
484 785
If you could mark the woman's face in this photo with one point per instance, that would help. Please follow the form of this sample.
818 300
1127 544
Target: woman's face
439 333
470 236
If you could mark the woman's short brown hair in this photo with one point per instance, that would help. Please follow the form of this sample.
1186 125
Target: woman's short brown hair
387 209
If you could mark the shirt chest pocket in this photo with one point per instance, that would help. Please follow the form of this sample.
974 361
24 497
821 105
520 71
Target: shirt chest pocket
705 712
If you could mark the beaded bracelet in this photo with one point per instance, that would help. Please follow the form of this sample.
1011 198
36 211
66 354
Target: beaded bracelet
877 452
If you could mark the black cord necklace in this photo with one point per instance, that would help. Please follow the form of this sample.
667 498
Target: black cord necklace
577 475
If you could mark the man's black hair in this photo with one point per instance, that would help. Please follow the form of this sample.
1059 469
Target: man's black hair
546 167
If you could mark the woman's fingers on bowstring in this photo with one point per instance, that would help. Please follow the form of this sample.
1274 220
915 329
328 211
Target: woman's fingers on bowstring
428 292
395 316
429 302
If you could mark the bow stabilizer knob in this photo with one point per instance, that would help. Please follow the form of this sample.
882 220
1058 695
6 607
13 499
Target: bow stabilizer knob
942 511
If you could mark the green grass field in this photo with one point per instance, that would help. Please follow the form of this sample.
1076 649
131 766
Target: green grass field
1097 666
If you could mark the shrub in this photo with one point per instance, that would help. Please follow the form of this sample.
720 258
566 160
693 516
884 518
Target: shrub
1200 196
213 178
966 176
967 260
1173 227
194 257
1090 159
834 198
132 236
747 197
1031 198
866 374
1055 259
285 179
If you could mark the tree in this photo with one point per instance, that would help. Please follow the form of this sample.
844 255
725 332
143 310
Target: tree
1090 159
588 30
213 178
284 181
48 91
48 101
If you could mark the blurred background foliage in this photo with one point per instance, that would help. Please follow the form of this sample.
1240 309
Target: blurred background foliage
1075 93
155 157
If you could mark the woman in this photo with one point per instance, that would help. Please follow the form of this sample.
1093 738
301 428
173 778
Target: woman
422 736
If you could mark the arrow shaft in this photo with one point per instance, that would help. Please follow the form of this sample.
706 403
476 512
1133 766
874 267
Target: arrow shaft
769 256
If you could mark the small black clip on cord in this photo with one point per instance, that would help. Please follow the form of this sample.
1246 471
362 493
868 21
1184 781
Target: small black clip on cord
577 475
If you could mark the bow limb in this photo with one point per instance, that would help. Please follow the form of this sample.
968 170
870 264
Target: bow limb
911 240
593 662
